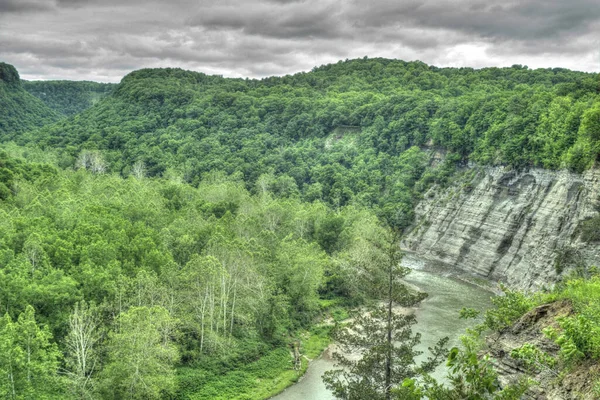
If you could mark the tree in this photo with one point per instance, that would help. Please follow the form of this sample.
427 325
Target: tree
28 359
300 273
92 161
141 356
471 378
382 337
81 343
139 169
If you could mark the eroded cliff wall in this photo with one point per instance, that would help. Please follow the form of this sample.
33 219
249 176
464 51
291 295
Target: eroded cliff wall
509 226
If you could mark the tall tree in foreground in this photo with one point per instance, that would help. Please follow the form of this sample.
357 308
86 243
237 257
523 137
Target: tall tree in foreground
378 346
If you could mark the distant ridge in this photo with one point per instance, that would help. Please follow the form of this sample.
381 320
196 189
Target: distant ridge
19 110
69 97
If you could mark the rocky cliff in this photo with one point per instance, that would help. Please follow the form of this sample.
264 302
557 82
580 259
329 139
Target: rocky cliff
519 227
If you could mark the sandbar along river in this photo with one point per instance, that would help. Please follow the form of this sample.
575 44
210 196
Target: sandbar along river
437 316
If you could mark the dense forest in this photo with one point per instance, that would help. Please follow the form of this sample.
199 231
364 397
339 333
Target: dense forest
20 110
196 272
68 97
170 236
351 132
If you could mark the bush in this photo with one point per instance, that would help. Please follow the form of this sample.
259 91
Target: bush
509 308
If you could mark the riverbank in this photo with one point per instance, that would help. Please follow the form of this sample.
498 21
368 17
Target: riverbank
273 375
262 378
437 316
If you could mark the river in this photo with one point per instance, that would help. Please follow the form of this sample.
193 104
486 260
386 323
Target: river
437 317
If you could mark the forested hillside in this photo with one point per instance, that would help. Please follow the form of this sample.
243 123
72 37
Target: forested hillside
19 110
354 131
68 97
199 275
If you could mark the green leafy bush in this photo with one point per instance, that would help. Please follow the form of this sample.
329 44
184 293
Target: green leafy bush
508 308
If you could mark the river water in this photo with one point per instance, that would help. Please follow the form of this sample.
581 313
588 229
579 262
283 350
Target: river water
437 317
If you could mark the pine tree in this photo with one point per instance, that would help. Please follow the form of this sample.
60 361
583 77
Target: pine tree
379 344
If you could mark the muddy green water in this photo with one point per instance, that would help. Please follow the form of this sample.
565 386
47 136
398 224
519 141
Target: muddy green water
437 317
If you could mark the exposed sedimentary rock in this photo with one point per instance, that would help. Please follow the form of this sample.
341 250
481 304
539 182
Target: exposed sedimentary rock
507 225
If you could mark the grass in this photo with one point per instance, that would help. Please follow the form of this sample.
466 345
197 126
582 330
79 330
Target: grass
334 308
318 339
258 380
256 374
261 379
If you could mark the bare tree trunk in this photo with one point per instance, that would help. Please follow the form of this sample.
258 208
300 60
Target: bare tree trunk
80 342
388 357
29 359
393 259
202 314
212 307
232 309
12 379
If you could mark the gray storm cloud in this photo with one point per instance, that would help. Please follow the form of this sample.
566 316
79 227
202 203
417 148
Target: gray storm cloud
105 39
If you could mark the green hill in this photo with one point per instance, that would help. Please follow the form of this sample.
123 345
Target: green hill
356 131
68 97
19 110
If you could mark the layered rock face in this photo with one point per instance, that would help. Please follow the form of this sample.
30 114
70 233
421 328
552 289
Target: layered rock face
508 226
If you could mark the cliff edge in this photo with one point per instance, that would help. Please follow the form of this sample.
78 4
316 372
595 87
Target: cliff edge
518 227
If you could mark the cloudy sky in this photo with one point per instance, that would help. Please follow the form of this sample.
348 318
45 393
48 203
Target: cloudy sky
103 40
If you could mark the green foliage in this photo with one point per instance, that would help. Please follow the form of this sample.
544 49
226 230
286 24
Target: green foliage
257 379
470 378
578 338
20 110
29 361
381 336
352 132
365 377
596 388
578 335
590 229
569 257
68 97
508 308
141 356
9 75
533 357
207 215
468 313
225 268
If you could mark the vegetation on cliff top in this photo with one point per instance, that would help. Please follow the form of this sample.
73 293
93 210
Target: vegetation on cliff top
352 132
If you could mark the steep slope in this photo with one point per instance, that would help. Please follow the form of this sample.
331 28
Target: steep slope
576 383
68 97
19 110
521 227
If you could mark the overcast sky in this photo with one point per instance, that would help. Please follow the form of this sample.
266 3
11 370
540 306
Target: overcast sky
103 40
